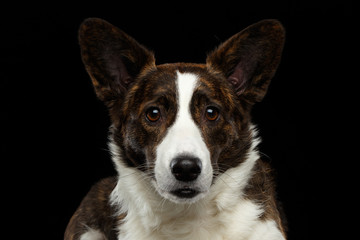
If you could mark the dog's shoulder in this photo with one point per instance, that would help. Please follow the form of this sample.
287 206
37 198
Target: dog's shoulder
95 214
261 189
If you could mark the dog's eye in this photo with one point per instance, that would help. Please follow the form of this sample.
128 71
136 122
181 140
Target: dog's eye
153 114
212 113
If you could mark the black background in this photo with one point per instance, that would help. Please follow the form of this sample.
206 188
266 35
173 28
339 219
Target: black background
55 131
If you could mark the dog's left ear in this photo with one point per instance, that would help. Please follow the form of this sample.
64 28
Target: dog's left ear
112 58
249 59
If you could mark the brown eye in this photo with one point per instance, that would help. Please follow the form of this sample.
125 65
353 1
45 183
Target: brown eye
212 113
153 114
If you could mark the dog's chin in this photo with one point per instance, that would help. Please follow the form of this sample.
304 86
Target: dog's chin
185 195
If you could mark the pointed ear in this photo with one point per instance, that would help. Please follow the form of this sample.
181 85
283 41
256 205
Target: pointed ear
111 57
249 59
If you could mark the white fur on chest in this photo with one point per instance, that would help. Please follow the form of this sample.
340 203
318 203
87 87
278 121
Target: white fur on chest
207 223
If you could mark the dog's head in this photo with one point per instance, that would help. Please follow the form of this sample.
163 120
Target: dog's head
181 124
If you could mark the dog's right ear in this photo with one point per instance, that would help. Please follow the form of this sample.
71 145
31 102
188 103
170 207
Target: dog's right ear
249 59
111 57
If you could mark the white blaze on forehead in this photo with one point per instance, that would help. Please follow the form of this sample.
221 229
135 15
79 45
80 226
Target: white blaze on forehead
183 137
186 83
184 125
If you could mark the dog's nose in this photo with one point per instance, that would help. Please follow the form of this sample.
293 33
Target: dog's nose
186 168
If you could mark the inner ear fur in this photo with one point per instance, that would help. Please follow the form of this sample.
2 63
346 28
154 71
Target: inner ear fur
249 59
112 58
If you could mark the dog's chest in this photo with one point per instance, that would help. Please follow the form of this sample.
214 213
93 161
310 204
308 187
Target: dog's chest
206 222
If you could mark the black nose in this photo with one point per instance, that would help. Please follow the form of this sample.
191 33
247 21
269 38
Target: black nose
185 168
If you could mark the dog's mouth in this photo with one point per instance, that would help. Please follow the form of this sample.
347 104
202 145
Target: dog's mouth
185 192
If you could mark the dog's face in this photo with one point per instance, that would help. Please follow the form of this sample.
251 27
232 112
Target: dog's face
179 127
181 124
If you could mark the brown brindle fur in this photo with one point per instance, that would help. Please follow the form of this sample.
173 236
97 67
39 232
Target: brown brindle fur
261 189
95 212
236 75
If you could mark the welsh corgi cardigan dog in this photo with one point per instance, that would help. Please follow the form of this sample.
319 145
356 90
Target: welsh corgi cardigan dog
181 140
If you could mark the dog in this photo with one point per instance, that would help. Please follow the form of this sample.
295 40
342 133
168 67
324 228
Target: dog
182 140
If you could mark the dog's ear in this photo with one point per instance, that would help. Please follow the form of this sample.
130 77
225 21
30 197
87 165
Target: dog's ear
111 57
249 59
